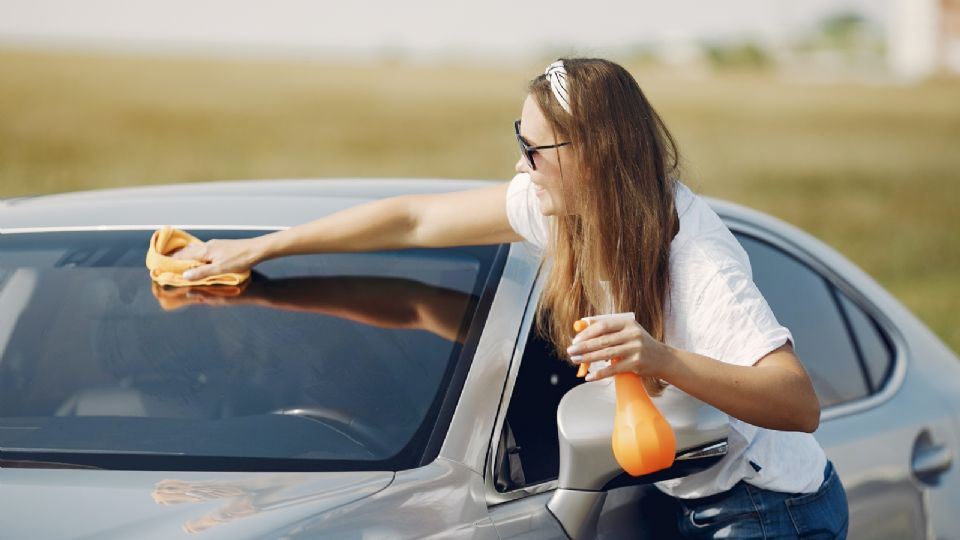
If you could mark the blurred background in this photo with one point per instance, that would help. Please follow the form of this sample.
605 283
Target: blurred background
839 116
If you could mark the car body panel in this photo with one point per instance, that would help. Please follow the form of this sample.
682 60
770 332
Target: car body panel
39 503
443 499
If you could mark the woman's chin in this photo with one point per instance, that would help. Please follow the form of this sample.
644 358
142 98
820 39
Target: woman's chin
545 204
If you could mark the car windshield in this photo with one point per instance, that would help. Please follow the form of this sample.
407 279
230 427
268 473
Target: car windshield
318 362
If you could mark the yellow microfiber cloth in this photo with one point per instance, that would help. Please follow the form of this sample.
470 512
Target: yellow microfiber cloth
168 271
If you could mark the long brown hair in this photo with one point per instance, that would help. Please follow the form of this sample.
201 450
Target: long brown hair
626 167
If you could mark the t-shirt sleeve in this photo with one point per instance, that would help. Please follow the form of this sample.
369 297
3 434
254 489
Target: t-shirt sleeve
523 212
730 320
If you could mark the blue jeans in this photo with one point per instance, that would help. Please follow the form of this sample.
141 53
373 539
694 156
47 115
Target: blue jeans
746 511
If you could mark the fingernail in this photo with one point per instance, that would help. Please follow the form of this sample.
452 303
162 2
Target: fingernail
577 358
573 349
576 338
589 377
189 275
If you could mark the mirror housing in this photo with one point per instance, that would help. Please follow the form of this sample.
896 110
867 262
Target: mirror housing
587 465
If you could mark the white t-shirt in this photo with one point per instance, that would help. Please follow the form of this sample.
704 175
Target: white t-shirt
716 310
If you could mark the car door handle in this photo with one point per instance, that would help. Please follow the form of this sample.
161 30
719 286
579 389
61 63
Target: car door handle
929 458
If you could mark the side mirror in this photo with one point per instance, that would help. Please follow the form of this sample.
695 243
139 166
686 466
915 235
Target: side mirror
587 466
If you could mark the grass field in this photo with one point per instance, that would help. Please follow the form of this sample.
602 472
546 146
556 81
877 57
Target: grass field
872 170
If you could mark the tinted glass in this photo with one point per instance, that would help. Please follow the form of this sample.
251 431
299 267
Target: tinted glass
874 347
803 302
336 361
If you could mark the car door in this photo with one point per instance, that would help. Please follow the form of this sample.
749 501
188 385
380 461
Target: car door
882 425
524 461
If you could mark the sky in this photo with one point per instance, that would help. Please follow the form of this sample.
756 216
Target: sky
494 29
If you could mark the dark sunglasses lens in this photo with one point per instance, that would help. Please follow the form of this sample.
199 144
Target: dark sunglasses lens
526 152
524 147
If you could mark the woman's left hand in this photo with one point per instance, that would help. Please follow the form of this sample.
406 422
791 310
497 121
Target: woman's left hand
623 338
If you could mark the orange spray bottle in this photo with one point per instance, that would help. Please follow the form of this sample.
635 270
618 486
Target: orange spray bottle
643 441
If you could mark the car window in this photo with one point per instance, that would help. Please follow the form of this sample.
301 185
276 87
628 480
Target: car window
320 362
874 346
805 302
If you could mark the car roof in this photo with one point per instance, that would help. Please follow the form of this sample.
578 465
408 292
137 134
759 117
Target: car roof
231 204
268 204
228 204
273 204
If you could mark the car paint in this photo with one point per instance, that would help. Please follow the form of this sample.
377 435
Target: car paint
874 442
39 503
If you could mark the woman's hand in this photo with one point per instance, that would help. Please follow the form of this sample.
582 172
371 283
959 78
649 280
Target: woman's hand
774 392
221 256
622 338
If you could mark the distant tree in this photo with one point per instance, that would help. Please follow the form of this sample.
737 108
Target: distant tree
745 55
843 30
643 55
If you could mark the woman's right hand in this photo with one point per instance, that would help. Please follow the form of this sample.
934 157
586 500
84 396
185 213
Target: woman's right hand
221 256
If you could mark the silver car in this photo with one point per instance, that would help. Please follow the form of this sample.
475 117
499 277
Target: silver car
394 394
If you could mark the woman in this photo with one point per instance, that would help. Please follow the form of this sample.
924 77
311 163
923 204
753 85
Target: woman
596 190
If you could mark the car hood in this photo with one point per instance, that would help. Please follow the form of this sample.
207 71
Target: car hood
51 503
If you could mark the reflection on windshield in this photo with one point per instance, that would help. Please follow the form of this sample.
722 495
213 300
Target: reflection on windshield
382 302
337 358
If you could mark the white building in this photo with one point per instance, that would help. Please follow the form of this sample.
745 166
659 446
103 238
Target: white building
925 38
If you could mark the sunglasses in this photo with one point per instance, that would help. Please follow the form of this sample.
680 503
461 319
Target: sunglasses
528 151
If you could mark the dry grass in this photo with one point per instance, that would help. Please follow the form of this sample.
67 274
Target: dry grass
872 170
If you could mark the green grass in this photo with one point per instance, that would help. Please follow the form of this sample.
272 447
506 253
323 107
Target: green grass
872 170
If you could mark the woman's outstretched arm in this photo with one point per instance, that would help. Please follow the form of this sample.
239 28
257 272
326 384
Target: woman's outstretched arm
432 220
